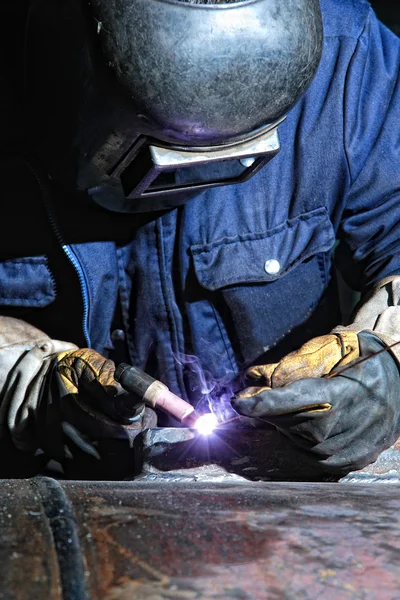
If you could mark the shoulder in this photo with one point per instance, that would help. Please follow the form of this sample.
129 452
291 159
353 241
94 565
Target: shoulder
346 18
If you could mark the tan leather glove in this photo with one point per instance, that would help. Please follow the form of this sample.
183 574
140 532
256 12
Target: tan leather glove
86 376
317 358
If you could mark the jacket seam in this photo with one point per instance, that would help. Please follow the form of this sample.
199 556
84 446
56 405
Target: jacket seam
347 160
40 261
224 336
291 266
168 311
361 27
124 303
345 35
260 236
30 299
90 288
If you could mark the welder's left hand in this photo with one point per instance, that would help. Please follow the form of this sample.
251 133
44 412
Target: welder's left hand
343 420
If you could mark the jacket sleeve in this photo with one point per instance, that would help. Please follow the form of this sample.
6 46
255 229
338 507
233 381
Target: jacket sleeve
371 218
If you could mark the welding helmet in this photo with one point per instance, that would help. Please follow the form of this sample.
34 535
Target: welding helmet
141 103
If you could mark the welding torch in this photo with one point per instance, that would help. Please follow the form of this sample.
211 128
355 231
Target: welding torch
155 394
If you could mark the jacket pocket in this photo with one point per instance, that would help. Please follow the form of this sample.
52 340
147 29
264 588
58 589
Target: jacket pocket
247 258
267 283
26 283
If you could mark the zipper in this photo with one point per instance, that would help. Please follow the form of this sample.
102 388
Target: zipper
73 259
70 254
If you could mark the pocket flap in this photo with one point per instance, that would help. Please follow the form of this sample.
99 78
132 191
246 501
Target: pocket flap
265 256
26 282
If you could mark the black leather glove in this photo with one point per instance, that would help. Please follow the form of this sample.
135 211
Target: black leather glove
87 421
343 421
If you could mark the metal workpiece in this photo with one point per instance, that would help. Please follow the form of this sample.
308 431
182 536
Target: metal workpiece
29 565
230 453
257 541
247 454
40 552
386 469
199 541
203 522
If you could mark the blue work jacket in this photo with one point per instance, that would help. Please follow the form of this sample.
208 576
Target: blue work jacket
198 280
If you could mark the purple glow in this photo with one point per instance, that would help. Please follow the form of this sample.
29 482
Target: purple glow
209 392
206 424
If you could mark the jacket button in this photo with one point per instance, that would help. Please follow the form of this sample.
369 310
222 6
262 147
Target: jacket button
118 335
272 267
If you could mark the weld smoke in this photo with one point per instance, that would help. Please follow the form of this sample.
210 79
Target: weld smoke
209 394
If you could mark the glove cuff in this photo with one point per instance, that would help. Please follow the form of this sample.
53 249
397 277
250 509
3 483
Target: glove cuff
379 313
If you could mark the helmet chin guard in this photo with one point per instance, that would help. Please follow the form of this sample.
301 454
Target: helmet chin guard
163 90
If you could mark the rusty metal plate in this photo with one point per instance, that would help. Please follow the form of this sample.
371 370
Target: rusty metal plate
244 541
28 560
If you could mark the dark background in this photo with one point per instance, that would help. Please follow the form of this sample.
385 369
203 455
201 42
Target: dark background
389 12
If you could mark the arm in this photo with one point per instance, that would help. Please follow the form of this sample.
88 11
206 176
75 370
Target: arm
370 220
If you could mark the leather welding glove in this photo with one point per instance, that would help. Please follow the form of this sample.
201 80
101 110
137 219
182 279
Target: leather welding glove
338 396
63 403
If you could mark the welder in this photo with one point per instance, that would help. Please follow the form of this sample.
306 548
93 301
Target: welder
176 177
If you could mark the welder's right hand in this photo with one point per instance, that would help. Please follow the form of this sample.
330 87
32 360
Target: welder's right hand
64 402
87 378
82 394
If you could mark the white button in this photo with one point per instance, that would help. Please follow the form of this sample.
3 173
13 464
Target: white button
272 267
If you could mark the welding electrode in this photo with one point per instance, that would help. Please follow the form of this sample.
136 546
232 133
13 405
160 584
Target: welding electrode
155 394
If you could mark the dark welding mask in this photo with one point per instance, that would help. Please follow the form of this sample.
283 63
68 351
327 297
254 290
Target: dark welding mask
144 103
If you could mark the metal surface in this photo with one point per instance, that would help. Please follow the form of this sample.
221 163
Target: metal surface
29 566
248 454
200 540
200 524
231 454
239 541
385 469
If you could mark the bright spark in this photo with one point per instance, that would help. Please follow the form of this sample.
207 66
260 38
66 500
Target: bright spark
206 424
